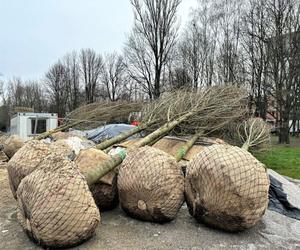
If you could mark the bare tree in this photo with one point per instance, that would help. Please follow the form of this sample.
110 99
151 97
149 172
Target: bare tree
152 38
254 39
283 58
180 79
15 93
91 66
1 89
190 52
210 46
34 96
71 64
24 94
295 126
56 83
113 75
197 48
229 55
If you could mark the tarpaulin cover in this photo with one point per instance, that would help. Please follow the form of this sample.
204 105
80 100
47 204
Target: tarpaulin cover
102 133
284 196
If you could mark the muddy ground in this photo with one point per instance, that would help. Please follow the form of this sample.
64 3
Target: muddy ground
118 231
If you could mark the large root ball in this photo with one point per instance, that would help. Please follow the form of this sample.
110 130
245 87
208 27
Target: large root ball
12 145
150 185
226 188
105 191
56 208
25 161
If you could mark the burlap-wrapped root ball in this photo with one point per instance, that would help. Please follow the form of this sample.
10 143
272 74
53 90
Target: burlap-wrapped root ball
25 161
28 158
105 191
150 185
226 188
56 208
12 145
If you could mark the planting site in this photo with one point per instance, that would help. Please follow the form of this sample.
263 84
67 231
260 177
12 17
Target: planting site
182 178
150 124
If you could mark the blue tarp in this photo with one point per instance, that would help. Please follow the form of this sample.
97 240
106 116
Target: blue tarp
100 134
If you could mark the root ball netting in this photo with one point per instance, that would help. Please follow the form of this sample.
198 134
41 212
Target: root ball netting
105 191
56 208
149 189
226 188
12 145
25 161
28 158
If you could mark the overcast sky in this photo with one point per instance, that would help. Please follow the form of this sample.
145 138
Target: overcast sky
35 33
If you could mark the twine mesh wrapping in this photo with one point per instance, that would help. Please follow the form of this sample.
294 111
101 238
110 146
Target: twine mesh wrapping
28 158
56 208
226 188
150 185
12 145
25 161
105 195
105 191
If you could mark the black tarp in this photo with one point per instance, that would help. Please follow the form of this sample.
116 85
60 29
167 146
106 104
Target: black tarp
278 199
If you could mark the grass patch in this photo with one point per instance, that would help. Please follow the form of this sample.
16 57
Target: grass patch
283 159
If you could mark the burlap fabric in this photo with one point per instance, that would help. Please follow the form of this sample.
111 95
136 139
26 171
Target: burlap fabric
12 145
25 161
227 188
60 135
28 158
105 191
56 208
105 195
150 185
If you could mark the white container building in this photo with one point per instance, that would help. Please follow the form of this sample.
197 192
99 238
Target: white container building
28 125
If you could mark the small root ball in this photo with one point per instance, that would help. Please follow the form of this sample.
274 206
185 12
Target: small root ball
150 185
105 191
226 188
56 208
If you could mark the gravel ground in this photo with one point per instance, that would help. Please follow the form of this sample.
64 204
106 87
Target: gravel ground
118 231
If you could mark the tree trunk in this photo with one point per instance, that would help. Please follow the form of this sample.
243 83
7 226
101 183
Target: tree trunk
95 173
105 144
156 93
284 135
182 151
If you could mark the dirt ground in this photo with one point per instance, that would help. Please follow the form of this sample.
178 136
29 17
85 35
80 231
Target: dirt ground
117 231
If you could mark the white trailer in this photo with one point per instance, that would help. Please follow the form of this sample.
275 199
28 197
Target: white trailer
28 125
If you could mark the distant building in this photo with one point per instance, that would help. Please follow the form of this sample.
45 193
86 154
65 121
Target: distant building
28 125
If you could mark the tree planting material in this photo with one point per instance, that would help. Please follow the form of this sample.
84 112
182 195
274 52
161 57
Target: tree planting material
104 191
56 208
150 185
205 111
195 110
25 161
12 145
226 187
28 158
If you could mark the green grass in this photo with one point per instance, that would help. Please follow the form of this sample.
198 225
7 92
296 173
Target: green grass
283 159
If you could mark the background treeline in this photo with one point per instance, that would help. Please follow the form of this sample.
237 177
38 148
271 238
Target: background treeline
251 43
